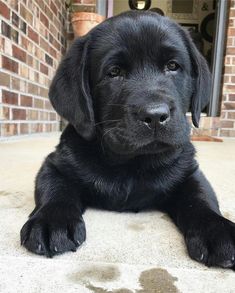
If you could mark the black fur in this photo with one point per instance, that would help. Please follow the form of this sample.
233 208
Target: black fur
117 153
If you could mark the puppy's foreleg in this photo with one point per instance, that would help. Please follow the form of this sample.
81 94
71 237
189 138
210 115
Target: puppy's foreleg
56 224
210 238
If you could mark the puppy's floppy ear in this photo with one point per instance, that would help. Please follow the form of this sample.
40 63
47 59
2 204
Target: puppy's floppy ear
201 81
69 91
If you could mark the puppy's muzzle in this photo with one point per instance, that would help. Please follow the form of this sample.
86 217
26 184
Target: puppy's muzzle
154 115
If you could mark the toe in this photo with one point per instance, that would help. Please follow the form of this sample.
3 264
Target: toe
197 249
33 238
59 242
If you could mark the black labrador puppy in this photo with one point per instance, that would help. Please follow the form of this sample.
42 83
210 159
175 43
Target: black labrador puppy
125 88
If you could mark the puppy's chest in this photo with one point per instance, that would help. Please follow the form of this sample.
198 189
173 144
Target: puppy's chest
119 192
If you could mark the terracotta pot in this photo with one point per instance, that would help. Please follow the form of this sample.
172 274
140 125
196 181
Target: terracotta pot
83 22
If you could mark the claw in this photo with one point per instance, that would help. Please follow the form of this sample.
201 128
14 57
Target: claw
202 256
55 249
39 247
23 241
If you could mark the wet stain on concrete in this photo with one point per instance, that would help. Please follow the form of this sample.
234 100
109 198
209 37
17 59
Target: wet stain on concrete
136 227
4 193
157 281
102 290
13 199
96 273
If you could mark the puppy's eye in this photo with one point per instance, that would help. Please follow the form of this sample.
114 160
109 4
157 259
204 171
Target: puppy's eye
172 66
114 72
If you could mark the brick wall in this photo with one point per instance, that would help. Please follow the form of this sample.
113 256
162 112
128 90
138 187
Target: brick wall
32 42
224 126
227 121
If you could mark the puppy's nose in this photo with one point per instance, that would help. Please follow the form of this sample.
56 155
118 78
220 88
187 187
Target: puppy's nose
155 115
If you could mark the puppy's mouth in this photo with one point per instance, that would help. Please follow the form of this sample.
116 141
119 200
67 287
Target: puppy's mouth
138 140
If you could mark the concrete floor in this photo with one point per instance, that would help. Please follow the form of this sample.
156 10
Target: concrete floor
124 253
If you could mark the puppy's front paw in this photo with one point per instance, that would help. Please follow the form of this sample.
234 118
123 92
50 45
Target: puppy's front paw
213 243
53 230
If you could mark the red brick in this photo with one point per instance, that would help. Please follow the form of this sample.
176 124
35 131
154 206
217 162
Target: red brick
230 87
10 64
233 79
232 13
33 35
44 69
33 115
44 19
226 124
41 4
230 23
231 31
24 43
18 53
14 4
48 105
52 52
4 79
36 76
38 103
9 97
43 92
56 44
30 60
4 10
44 45
26 101
19 114
228 60
228 70
9 129
6 113
53 8
32 89
230 51
228 133
229 41
52 116
53 30
43 115
26 14
2 44
231 115
58 3
231 97
36 127
15 83
24 128
226 79
48 127
229 106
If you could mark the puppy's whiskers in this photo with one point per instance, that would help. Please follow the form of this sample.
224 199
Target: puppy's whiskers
107 121
106 132
120 105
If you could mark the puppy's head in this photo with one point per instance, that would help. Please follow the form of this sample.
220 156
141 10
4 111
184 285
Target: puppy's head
130 82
